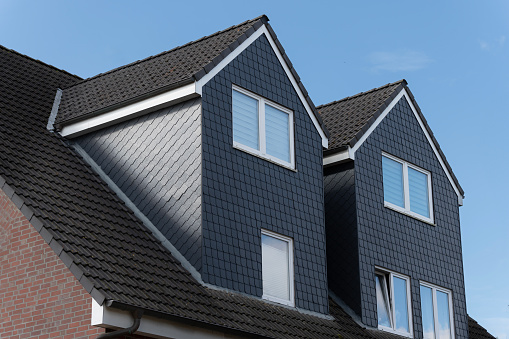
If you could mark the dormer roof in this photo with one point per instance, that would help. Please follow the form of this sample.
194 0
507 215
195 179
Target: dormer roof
167 71
350 121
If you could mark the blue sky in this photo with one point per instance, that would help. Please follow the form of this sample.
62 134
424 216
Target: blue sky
453 54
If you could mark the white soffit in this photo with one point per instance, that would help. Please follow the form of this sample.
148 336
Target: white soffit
108 317
130 111
184 93
350 152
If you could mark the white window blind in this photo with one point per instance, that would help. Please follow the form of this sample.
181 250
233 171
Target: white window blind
245 120
277 132
262 127
407 188
277 268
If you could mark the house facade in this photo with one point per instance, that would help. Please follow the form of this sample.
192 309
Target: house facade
400 203
190 203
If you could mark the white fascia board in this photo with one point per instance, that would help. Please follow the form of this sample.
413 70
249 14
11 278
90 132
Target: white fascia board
263 30
339 157
403 93
130 111
108 317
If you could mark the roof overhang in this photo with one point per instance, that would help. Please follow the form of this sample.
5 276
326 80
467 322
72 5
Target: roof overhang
348 154
194 89
114 318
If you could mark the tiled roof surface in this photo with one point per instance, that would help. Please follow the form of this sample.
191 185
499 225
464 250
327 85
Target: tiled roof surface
476 331
349 118
108 250
345 119
149 75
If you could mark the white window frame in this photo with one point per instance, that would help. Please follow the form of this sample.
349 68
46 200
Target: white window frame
406 191
390 299
434 289
262 152
291 276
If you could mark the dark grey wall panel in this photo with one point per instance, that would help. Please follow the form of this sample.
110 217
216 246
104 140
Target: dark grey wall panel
342 241
243 193
156 160
399 242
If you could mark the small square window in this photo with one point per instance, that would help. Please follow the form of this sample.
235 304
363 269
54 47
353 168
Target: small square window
407 188
262 127
393 302
436 309
277 268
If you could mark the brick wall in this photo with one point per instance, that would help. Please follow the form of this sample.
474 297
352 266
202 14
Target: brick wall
39 296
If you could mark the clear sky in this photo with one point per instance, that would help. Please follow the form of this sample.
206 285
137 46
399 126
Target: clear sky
454 55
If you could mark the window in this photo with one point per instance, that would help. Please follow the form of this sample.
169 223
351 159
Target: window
277 268
436 309
407 188
262 127
393 302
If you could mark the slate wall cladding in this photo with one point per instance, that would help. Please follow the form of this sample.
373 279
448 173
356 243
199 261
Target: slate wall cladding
155 159
341 231
243 193
401 243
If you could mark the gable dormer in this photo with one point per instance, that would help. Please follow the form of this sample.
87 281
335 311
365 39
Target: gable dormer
392 216
216 146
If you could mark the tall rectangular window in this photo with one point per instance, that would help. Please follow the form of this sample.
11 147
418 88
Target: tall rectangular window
437 315
277 268
393 302
407 188
262 127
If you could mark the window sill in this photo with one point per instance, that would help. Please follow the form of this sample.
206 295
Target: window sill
279 301
257 154
410 214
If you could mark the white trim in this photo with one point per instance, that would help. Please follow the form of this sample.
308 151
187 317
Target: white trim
108 317
339 157
263 30
130 111
434 289
382 271
262 152
402 93
291 274
406 188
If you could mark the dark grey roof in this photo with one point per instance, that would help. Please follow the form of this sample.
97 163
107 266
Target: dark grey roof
108 250
349 118
476 331
161 72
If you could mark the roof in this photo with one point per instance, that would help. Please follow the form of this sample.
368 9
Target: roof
476 331
349 118
162 72
99 239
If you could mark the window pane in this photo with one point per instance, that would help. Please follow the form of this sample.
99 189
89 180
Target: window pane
444 325
277 133
428 324
418 188
382 302
401 304
393 182
275 267
245 120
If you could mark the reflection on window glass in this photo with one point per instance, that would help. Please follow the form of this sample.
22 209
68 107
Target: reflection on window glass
400 304
428 325
245 120
382 302
393 182
444 325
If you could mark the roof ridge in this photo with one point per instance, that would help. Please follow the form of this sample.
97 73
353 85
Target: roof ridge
169 51
39 62
363 93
